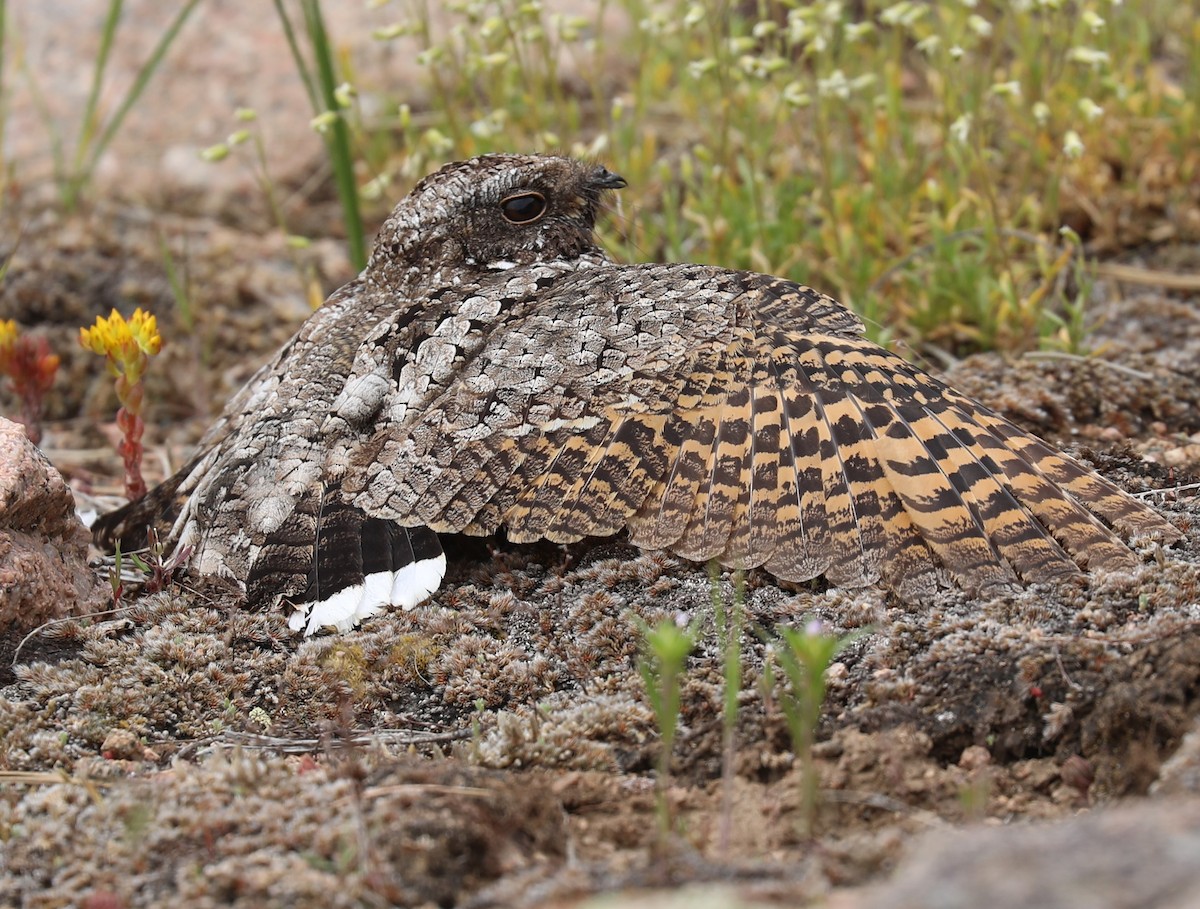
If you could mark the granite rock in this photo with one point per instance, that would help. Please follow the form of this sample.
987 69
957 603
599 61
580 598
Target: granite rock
43 545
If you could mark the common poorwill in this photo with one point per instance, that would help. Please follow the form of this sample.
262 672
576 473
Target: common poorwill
492 368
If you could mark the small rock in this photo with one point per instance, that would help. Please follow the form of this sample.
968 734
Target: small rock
103 899
1077 773
1175 457
121 745
43 545
1127 857
1180 773
974 757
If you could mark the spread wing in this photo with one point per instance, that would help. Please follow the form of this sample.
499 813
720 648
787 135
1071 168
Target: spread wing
718 414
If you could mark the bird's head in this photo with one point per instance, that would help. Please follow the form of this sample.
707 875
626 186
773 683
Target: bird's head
496 212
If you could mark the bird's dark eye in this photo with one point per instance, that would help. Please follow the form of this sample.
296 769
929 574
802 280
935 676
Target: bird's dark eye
523 207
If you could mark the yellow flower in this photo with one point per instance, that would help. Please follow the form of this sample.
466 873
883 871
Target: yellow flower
124 342
8 345
144 328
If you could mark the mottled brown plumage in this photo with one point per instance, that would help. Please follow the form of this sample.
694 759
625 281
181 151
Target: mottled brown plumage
491 368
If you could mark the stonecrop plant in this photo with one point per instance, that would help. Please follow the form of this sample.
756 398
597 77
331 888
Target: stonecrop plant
127 347
30 368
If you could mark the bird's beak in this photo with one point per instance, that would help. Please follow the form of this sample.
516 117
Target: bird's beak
606 179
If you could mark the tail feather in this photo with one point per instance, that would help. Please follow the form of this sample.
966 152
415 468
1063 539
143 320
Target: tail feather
339 567
128 525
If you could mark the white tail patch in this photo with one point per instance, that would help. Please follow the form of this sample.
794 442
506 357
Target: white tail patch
414 582
351 605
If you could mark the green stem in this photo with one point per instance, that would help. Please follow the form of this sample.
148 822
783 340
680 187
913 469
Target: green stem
301 64
144 74
339 136
57 155
88 125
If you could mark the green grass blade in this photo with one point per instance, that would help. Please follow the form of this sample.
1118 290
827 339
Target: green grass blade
36 95
141 80
302 67
339 137
179 291
87 126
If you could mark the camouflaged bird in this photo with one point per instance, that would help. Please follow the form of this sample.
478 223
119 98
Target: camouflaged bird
491 368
